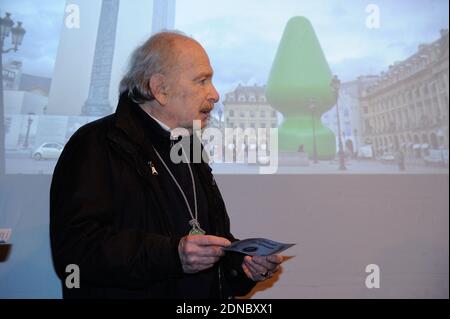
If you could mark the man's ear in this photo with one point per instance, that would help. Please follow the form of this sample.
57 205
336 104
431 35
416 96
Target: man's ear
158 87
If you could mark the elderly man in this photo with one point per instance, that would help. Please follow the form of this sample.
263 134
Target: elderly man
135 223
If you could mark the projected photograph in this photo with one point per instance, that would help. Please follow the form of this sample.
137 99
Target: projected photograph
315 165
305 88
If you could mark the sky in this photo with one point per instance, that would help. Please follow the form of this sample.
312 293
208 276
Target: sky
242 36
42 20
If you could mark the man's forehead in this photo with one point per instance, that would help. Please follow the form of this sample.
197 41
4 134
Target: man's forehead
202 74
194 57
191 50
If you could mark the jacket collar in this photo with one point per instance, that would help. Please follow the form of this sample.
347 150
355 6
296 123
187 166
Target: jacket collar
138 126
140 129
130 126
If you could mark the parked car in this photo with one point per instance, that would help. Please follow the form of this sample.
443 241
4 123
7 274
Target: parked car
263 160
365 151
436 157
387 157
47 150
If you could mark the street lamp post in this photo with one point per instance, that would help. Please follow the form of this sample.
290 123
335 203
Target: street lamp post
335 85
220 118
222 151
17 33
440 134
312 107
25 143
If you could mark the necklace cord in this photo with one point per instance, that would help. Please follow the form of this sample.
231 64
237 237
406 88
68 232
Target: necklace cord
194 221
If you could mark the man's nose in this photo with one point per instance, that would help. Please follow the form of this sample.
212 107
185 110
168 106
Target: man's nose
214 95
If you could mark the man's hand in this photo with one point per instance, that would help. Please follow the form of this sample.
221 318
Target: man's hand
200 252
259 268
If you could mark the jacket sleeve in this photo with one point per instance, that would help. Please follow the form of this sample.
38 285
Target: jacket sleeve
83 217
236 278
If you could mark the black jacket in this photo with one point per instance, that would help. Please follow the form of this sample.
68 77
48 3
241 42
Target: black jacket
110 216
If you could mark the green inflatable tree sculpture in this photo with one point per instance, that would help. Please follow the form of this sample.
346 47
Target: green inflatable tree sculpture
299 87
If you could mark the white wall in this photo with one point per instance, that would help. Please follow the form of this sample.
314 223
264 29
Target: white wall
72 73
21 102
73 64
339 223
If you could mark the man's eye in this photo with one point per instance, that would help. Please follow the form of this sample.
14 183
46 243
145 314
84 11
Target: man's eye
203 81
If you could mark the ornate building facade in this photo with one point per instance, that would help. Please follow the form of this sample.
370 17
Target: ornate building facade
247 108
349 114
407 109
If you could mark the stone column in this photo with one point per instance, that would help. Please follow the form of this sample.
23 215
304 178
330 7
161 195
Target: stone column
98 103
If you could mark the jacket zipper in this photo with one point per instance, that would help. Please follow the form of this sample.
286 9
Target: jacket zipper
220 283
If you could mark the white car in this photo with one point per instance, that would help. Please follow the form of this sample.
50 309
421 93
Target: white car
387 157
47 150
437 157
365 151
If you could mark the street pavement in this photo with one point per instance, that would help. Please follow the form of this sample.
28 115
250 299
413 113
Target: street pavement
24 164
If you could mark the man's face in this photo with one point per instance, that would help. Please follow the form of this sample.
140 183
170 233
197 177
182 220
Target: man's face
190 92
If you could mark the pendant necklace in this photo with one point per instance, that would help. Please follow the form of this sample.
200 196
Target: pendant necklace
194 223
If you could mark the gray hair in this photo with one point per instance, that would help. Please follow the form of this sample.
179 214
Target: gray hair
157 55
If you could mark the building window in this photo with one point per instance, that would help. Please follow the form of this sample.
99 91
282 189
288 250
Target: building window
442 83
262 113
348 132
242 114
252 113
417 92
230 97
433 88
274 113
231 113
241 98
